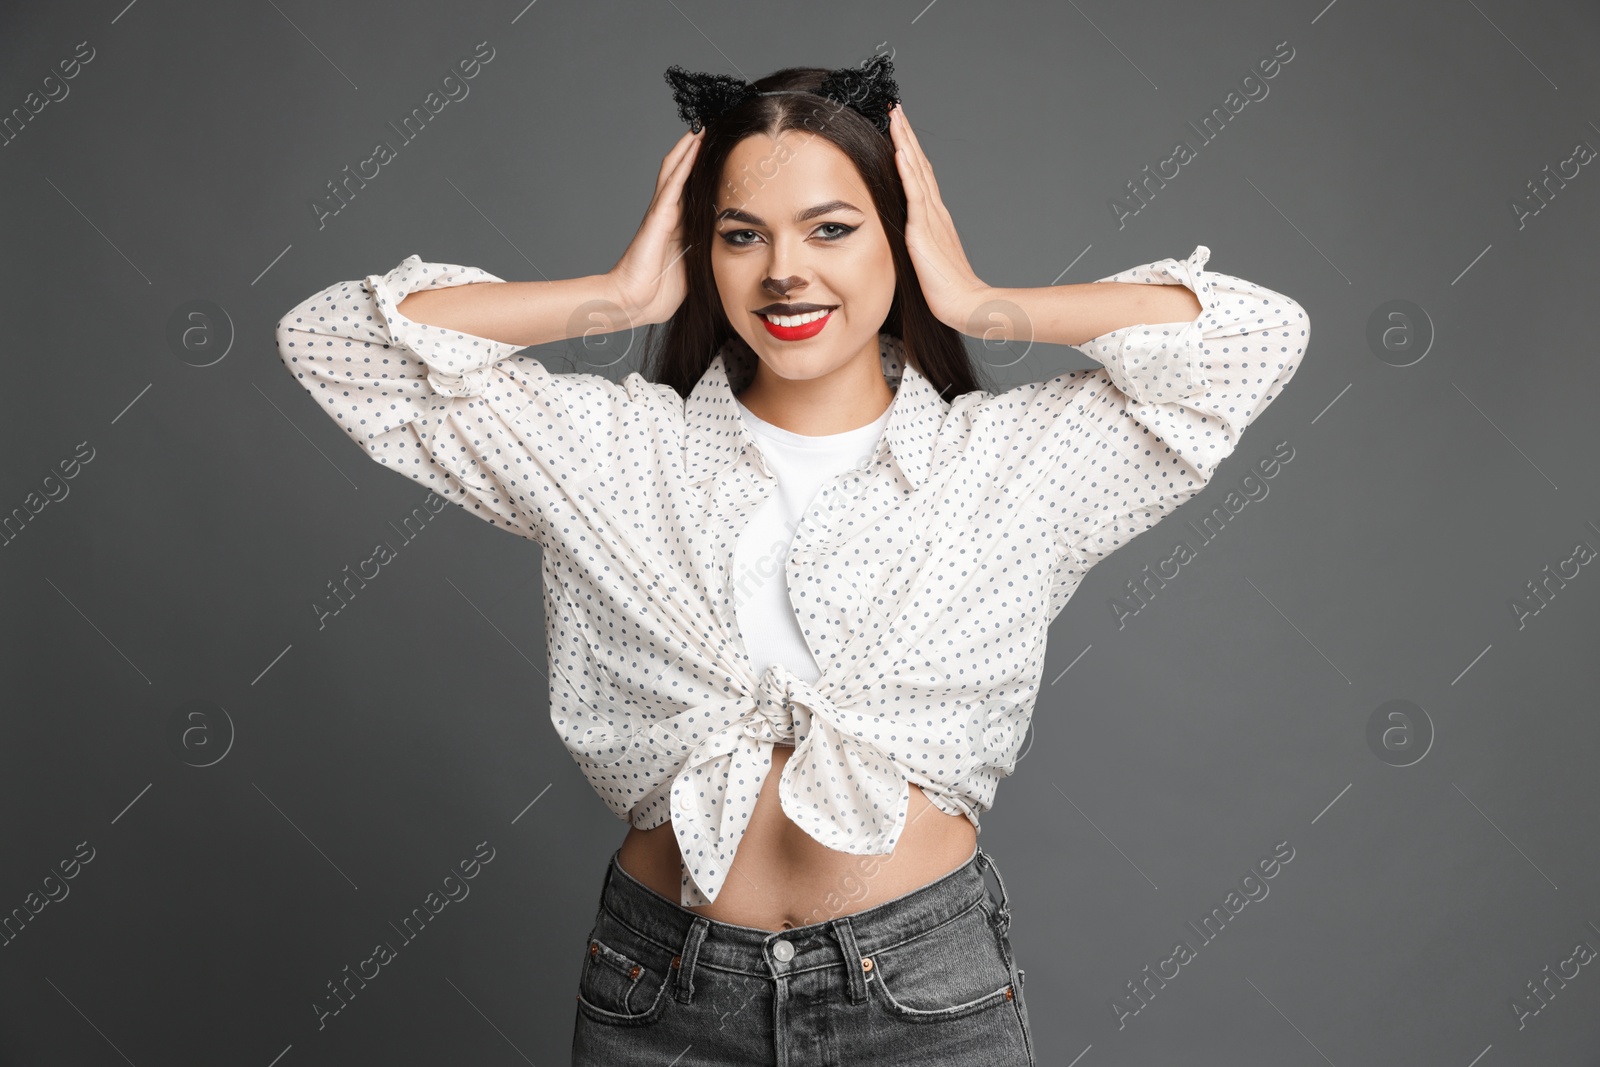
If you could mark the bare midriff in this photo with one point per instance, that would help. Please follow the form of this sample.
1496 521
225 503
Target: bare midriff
782 877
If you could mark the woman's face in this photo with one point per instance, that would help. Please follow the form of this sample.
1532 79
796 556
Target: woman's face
794 212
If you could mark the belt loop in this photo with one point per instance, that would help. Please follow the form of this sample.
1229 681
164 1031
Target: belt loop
683 988
1003 914
855 974
605 882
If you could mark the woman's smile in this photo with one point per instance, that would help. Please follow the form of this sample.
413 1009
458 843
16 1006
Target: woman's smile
796 327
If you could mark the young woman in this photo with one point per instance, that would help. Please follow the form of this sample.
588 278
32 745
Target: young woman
798 580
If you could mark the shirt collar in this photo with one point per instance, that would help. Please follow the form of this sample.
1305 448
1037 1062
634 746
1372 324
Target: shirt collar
717 433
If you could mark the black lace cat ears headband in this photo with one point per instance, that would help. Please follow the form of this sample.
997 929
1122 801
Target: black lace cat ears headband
869 90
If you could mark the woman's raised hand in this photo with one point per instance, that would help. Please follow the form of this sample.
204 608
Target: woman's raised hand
649 279
953 291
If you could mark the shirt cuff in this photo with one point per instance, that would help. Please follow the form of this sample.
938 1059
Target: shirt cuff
1159 363
459 364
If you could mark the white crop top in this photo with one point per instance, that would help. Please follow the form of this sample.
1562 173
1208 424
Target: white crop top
803 464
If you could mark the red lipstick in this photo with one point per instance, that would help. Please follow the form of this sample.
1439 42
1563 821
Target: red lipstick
796 333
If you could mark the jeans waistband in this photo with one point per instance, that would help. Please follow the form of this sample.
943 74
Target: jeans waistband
698 941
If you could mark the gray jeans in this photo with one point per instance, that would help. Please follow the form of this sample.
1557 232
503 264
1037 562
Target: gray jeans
928 978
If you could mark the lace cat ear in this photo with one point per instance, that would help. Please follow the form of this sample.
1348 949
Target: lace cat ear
869 89
702 97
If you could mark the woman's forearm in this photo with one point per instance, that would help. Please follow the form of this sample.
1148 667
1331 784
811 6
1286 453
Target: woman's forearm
523 313
1073 314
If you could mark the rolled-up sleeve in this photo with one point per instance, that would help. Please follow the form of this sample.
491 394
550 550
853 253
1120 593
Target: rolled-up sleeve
1105 453
493 431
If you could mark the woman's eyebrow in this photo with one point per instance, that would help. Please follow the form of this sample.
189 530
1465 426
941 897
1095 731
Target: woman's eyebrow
809 213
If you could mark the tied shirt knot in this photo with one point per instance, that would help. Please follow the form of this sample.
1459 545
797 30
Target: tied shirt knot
778 716
470 382
837 786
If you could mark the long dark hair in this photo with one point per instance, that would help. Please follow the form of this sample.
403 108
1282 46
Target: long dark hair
679 353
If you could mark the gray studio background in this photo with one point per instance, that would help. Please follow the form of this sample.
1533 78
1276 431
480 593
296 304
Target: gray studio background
248 803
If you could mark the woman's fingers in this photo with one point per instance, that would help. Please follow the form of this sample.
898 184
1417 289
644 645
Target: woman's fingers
927 183
669 190
916 188
917 191
648 277
946 277
670 163
897 134
684 145
670 159
912 163
672 205
904 158
924 167
680 173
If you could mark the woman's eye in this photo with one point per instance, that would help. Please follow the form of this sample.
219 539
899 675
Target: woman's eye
835 231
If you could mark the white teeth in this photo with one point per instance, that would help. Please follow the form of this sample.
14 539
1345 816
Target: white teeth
795 320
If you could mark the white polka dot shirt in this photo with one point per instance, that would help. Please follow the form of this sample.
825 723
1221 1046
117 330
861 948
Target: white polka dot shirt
924 583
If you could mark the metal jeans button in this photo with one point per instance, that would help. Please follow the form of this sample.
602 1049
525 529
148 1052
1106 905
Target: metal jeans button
782 950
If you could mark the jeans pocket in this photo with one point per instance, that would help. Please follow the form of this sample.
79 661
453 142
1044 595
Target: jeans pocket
625 977
950 972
